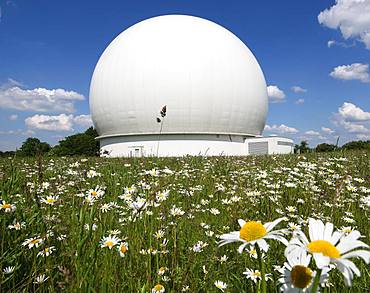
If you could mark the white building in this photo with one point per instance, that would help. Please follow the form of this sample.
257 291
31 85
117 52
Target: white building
210 82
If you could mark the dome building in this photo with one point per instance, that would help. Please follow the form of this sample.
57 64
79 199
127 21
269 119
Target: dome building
211 84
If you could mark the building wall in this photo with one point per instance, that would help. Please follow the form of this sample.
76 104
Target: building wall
178 145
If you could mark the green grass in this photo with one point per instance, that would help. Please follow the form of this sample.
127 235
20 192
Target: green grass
250 188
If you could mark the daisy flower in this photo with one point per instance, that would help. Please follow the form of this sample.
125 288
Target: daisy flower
253 275
220 285
8 270
158 289
109 241
123 248
40 279
328 247
50 200
254 232
33 242
7 207
296 276
46 251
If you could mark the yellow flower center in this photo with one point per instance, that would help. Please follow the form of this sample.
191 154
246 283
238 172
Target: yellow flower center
123 249
46 249
158 287
6 206
324 247
256 274
34 241
94 193
50 200
301 276
252 231
109 243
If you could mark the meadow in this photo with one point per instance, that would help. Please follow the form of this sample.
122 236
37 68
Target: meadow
154 224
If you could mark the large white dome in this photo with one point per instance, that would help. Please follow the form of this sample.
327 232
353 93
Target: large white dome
207 77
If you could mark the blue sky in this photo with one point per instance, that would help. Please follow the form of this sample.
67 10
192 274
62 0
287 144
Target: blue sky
320 47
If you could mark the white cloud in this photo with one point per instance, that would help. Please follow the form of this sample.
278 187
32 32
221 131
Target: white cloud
299 101
355 71
331 43
298 89
83 120
61 122
351 17
281 129
352 119
13 117
312 133
351 112
327 130
38 99
275 94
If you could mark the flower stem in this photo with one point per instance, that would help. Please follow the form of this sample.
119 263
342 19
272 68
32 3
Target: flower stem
262 268
316 282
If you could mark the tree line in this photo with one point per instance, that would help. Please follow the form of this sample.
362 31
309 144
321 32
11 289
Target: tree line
80 144
85 144
303 147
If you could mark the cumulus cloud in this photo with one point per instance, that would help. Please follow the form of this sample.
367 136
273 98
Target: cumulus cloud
312 133
355 71
351 112
62 122
38 99
299 101
351 17
327 130
352 119
281 129
298 89
275 94
83 120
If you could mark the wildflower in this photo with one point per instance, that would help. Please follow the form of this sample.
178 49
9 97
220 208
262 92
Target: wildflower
199 246
328 247
17 225
159 234
253 232
158 289
46 251
109 242
220 285
7 207
175 211
97 192
252 252
223 258
40 279
123 248
8 270
33 242
296 276
105 207
50 200
162 196
162 271
253 275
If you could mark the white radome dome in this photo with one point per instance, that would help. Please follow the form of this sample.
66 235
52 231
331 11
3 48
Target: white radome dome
206 76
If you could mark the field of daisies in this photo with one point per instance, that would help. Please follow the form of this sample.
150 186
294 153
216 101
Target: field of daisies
195 224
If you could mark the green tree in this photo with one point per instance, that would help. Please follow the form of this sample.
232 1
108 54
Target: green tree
32 147
357 145
302 147
78 144
325 147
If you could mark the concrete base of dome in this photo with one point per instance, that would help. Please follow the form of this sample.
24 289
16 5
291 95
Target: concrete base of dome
178 145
